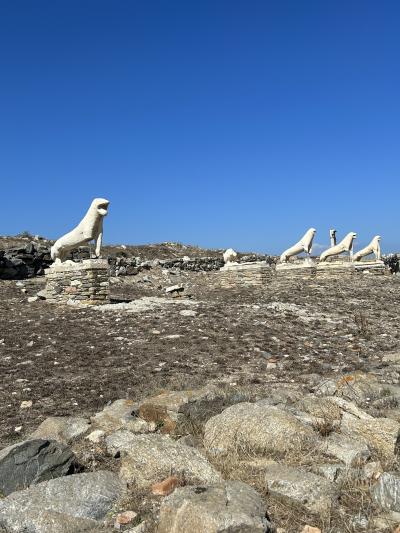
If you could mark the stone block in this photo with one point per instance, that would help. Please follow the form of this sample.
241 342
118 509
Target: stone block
254 274
85 283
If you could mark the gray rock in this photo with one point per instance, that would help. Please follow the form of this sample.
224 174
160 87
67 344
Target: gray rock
146 459
381 434
330 471
32 461
282 396
224 508
188 312
359 386
326 388
330 408
310 492
87 497
114 416
175 410
189 440
386 492
174 288
49 522
61 428
42 295
251 428
96 436
323 408
345 449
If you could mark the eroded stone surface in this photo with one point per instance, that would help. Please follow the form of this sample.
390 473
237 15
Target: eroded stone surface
305 489
32 461
381 434
145 459
386 491
114 416
350 451
63 429
224 508
86 496
248 427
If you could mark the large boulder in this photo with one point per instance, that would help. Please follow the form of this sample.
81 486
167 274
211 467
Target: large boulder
32 461
256 429
146 459
381 434
223 508
88 497
61 428
303 489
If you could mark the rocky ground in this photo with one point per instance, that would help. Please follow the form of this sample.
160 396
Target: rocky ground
291 390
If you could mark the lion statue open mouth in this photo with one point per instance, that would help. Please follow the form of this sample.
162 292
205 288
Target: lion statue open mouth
373 247
304 245
90 228
345 245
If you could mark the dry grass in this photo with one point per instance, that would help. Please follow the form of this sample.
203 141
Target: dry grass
93 457
354 497
355 501
363 326
143 503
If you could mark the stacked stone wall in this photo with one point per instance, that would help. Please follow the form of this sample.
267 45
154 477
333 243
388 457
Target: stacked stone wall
86 283
246 275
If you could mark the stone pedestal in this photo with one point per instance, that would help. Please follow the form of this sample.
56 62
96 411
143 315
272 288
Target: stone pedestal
297 269
371 267
245 275
348 268
85 283
335 268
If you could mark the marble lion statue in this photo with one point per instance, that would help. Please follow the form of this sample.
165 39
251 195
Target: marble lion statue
373 247
89 228
230 256
345 245
304 245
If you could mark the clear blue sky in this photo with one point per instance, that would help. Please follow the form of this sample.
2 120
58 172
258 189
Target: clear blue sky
220 123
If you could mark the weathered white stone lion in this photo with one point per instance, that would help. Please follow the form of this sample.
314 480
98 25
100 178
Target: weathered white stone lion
230 256
304 245
373 247
345 245
90 228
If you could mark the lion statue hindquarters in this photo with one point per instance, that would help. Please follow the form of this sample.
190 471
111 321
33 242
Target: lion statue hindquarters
304 245
230 256
373 247
90 228
345 245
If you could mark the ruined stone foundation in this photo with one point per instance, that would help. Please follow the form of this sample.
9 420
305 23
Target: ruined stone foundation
85 283
245 274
